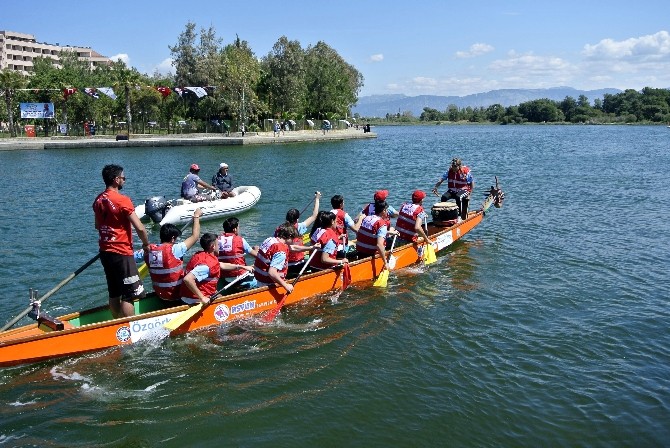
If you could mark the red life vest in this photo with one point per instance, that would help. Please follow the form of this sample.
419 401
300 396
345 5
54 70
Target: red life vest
458 180
340 225
366 237
369 210
268 249
323 236
407 221
166 271
294 257
208 285
231 250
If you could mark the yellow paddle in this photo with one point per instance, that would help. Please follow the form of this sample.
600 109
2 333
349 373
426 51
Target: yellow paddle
429 255
384 274
184 316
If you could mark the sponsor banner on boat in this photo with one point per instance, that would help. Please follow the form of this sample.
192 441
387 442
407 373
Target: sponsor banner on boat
222 312
140 328
444 240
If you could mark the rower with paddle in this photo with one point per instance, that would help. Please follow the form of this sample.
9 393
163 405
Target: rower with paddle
203 271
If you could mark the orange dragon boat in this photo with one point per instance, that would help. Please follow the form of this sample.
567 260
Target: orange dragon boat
95 329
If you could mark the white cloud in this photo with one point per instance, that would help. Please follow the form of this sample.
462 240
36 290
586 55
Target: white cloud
377 57
165 67
121 57
652 47
475 50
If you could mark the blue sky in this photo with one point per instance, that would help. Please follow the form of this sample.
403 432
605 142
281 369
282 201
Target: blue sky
412 48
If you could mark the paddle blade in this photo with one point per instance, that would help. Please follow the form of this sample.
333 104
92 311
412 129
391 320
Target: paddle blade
392 261
429 255
143 270
269 317
382 279
183 317
346 276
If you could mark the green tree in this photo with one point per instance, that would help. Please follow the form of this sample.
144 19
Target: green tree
284 77
332 83
10 81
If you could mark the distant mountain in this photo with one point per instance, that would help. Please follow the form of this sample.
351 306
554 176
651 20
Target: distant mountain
380 105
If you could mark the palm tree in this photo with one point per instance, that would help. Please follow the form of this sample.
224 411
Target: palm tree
126 77
11 80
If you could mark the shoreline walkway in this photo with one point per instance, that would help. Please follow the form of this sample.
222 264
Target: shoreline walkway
149 140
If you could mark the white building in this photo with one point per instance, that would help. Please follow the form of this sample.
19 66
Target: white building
18 50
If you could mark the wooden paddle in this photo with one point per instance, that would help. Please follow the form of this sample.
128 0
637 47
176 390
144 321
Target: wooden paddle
384 274
51 292
186 315
272 314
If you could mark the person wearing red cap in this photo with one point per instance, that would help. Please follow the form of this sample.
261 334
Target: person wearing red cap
411 218
380 195
189 186
459 186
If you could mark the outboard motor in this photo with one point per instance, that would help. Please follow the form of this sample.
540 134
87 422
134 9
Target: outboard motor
155 208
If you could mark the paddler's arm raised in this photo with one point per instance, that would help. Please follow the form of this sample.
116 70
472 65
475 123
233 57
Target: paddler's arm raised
191 240
309 221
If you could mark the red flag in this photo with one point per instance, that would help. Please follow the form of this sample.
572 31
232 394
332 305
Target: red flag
165 91
346 276
69 91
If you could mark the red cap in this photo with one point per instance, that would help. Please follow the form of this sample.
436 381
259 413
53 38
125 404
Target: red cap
195 167
381 195
418 195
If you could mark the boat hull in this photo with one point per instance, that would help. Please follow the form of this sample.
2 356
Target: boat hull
95 329
181 213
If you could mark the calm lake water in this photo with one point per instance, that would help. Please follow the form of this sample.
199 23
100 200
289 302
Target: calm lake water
548 325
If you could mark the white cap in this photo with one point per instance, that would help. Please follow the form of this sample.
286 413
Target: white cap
223 165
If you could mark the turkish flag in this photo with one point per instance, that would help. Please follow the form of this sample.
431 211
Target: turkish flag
165 91
69 91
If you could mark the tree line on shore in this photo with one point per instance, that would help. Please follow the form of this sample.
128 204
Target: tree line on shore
289 83
650 105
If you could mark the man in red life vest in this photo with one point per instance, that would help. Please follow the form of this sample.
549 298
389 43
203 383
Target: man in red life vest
114 217
411 218
343 223
380 195
296 258
203 271
232 248
271 265
165 260
460 184
371 236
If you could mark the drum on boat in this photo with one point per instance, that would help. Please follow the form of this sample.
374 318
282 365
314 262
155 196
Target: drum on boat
444 213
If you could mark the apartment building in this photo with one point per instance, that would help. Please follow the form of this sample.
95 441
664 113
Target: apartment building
18 50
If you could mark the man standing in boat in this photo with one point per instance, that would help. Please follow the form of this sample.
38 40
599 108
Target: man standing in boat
460 184
114 217
411 218
203 272
189 186
223 181
165 260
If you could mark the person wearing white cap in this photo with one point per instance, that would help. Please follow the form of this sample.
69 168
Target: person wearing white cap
223 181
189 186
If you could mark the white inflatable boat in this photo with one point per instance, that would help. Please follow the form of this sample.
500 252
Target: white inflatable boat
180 211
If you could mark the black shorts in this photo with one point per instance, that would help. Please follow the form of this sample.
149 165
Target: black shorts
123 279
